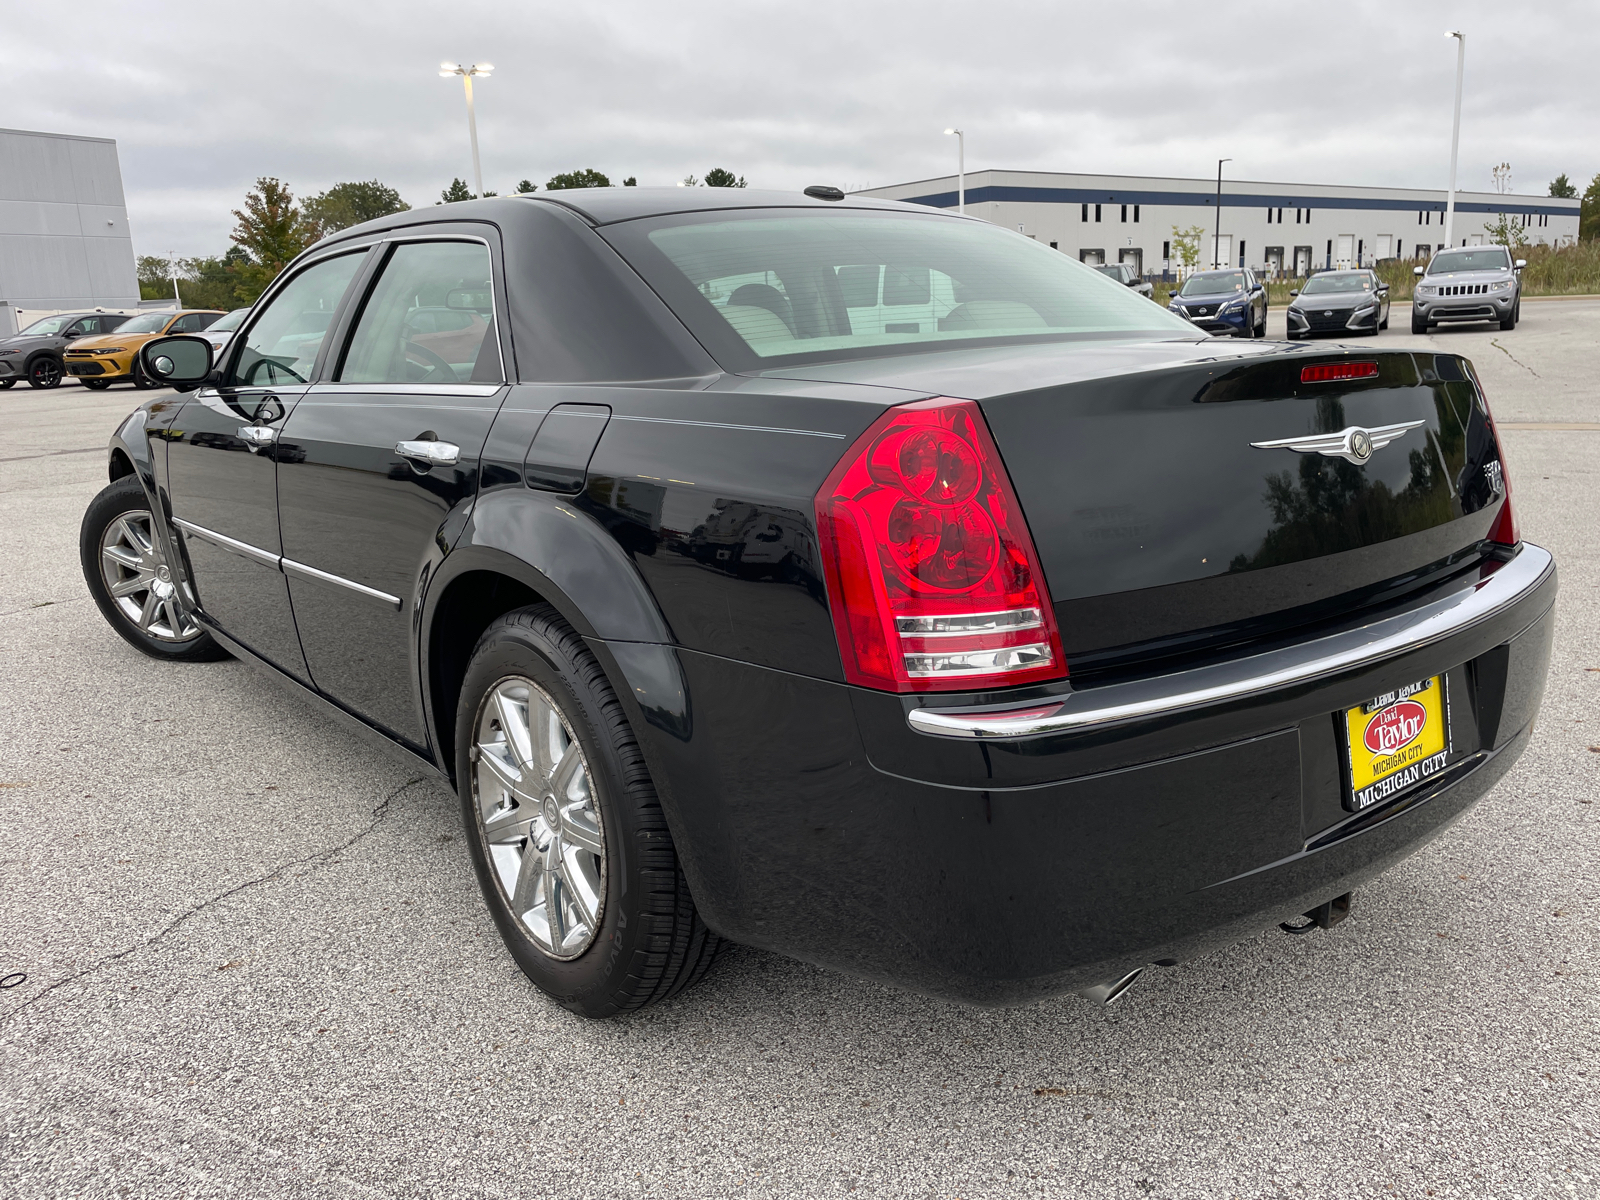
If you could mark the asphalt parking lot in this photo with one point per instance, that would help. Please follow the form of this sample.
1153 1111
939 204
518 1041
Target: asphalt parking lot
257 962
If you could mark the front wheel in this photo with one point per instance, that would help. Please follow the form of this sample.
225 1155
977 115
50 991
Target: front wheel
1418 325
44 373
1510 322
132 582
96 385
567 836
140 379
5 383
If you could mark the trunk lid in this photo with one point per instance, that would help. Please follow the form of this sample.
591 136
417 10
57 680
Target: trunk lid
1164 530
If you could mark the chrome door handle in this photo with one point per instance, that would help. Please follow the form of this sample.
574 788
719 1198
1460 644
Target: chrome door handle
435 454
258 437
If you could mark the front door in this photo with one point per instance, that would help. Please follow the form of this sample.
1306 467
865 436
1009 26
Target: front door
375 463
221 465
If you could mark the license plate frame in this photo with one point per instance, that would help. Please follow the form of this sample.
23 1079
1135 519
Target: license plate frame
1395 742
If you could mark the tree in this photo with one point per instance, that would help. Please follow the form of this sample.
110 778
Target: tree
347 204
456 192
1506 231
270 229
155 277
527 187
586 178
1563 187
717 177
690 181
1589 212
630 181
1186 245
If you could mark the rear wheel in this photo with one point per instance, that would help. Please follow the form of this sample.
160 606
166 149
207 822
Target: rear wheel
131 580
44 372
567 835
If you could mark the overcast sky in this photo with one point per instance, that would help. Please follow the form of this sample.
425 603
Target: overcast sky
203 98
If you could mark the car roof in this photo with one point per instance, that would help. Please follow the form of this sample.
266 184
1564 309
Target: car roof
605 206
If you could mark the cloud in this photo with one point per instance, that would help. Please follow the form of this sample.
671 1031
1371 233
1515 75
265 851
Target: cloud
789 94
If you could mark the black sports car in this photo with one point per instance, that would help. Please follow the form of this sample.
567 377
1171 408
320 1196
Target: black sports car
1343 302
35 353
995 652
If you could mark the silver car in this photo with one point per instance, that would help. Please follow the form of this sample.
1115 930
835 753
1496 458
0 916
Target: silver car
219 333
1468 283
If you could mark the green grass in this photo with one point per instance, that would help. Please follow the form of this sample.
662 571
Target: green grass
1569 271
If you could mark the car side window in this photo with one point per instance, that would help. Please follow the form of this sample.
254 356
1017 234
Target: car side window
80 329
428 319
281 345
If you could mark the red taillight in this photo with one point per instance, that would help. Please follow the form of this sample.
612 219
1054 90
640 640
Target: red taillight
1504 531
1329 372
932 576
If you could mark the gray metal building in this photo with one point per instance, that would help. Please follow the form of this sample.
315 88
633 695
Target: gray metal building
64 238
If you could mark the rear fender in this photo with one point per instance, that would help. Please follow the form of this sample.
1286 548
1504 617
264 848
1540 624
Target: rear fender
550 551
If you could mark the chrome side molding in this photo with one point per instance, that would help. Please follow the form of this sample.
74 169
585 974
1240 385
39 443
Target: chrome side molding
1240 679
288 565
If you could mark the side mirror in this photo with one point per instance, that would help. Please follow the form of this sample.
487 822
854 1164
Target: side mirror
1294 291
182 361
1521 262
1418 270
1383 289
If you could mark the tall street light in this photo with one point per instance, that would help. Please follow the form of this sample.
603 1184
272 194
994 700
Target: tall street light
1216 242
1455 136
961 169
479 69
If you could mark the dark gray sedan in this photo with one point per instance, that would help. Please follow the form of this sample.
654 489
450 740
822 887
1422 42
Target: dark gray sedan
1125 275
1339 302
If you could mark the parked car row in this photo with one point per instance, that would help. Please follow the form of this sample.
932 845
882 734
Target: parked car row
101 348
1472 283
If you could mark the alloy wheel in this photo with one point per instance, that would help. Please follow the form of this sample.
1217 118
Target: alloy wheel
538 816
140 581
45 373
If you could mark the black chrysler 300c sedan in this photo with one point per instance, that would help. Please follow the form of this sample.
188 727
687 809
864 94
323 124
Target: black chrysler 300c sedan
996 650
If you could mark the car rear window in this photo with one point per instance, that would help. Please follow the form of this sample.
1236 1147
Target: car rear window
774 286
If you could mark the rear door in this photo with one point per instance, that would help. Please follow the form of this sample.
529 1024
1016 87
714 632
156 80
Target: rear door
379 463
222 465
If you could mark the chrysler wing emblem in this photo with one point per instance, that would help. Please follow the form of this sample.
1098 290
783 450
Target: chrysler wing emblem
1354 444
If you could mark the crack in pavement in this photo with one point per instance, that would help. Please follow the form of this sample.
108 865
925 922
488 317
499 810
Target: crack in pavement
320 858
1495 342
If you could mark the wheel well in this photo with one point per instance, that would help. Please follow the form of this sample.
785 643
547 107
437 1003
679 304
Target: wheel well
121 465
469 604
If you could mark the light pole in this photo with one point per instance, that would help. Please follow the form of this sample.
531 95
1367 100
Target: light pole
172 267
1216 242
961 169
1455 137
479 69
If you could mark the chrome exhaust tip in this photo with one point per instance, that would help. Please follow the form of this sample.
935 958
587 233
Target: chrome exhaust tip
1107 993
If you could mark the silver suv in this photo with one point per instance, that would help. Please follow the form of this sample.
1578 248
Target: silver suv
1470 283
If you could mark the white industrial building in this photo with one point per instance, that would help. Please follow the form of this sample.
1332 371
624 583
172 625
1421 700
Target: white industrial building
1279 228
64 238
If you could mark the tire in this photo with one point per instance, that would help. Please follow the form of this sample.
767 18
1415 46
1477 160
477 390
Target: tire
1418 326
631 936
5 383
1511 321
117 548
45 372
140 380
95 385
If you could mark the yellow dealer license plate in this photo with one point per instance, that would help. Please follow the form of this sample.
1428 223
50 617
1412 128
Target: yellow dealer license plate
1397 740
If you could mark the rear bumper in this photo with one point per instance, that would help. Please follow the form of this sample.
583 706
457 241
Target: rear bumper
813 820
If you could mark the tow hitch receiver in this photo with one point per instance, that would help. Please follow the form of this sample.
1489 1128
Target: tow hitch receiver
1323 916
